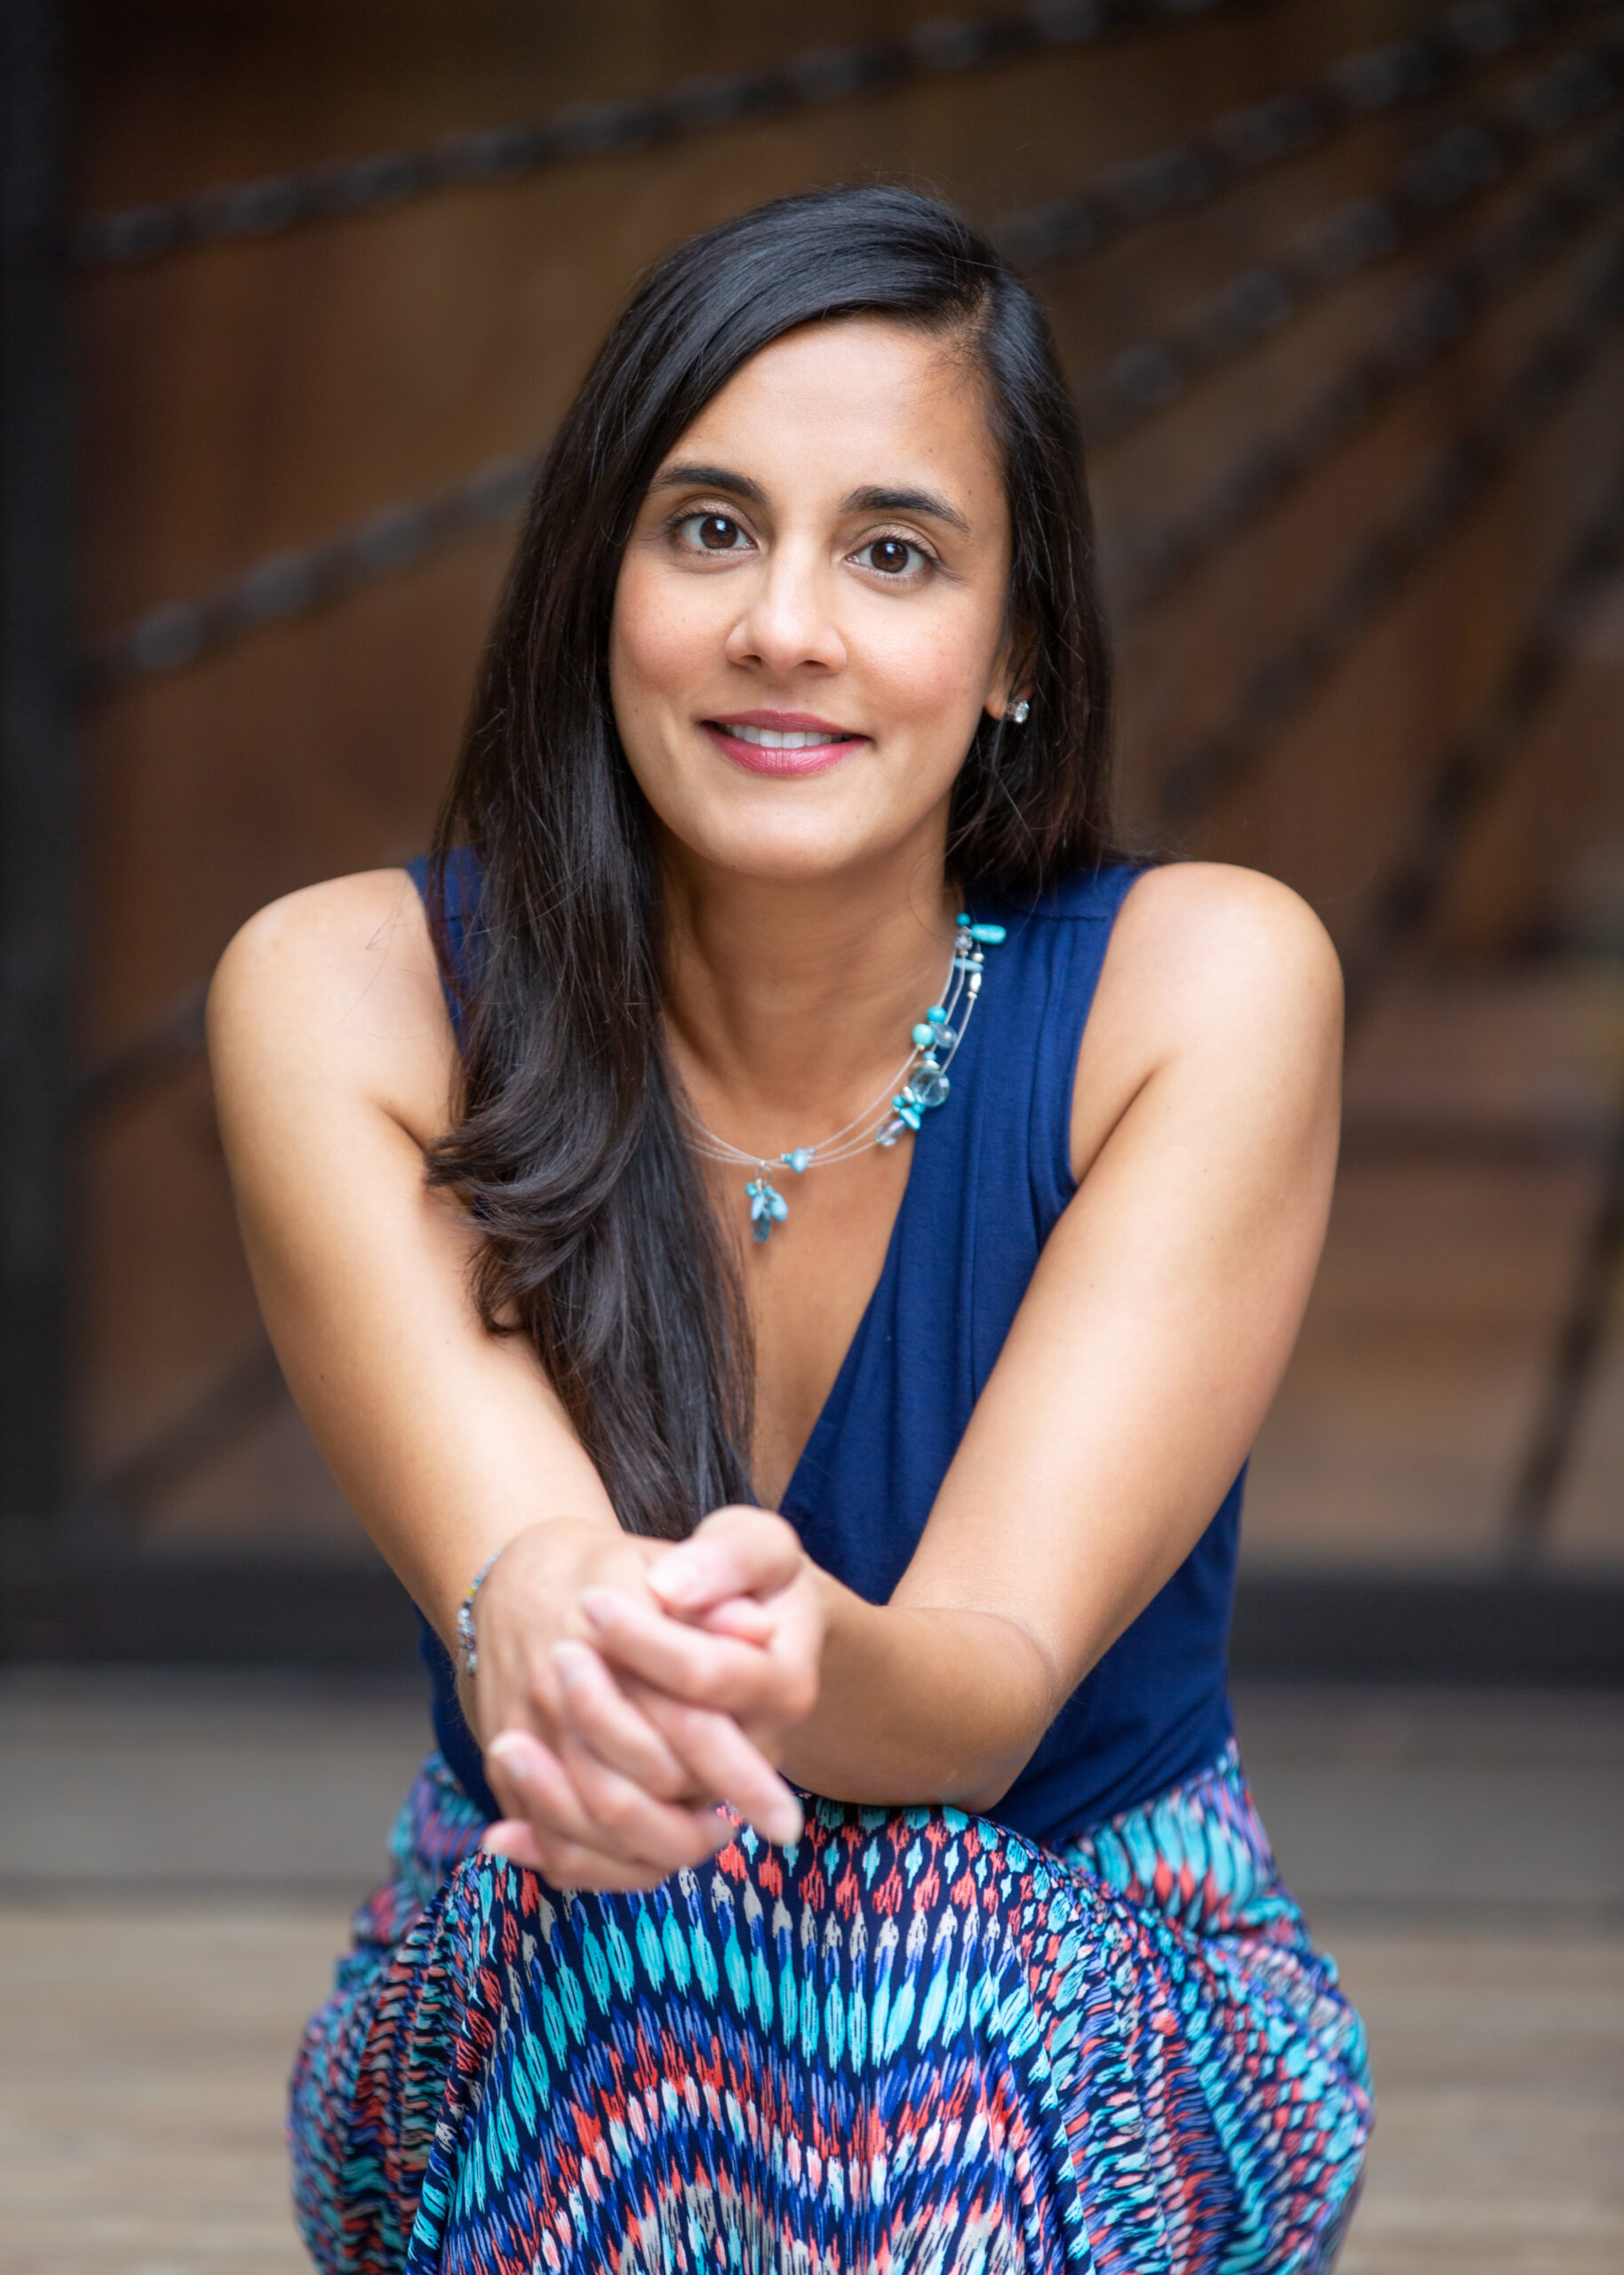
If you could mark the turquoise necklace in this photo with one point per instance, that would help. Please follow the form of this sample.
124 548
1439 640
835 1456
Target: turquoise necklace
917 1088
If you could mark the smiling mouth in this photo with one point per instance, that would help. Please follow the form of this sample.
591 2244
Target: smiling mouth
791 739
795 750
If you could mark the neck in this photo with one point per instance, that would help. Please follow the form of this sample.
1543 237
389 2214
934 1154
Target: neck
789 1004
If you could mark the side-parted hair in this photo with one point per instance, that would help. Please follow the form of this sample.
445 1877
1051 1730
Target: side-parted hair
600 1243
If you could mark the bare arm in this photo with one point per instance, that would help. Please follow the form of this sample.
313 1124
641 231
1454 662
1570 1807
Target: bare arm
334 1065
334 1068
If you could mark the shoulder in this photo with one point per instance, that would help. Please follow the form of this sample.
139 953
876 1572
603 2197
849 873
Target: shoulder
1223 976
1204 936
335 990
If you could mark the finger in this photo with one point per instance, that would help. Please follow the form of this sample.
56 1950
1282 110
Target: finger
735 1552
705 1669
527 1777
724 1761
594 1706
743 1617
564 1863
624 1823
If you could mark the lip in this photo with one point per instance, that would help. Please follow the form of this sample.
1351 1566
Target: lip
812 758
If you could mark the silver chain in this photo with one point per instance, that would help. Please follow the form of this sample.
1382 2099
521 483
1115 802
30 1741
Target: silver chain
919 1087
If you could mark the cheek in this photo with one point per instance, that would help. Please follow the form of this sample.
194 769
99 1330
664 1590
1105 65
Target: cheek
663 639
935 667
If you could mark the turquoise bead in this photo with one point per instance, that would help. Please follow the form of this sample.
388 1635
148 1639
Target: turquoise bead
906 1108
991 933
799 1160
767 1207
936 1015
924 1036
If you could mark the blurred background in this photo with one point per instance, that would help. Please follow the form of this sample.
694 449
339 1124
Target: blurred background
293 296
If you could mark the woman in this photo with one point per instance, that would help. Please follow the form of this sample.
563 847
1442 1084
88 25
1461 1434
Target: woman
785 1243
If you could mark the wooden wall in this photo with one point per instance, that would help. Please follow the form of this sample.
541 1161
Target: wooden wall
250 396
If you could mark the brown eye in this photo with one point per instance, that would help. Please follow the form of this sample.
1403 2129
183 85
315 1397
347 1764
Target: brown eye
893 556
712 532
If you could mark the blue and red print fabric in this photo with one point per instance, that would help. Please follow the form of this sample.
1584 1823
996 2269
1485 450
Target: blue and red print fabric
911 2042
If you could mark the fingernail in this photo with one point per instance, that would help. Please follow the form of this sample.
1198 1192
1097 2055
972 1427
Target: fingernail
569 1659
784 1826
679 1579
597 1606
510 1752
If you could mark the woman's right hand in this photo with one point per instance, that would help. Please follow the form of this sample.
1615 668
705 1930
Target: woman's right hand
640 1801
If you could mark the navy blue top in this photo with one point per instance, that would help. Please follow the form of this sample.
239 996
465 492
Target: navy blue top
992 1171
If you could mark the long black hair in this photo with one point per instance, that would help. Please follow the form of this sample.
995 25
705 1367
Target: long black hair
599 1240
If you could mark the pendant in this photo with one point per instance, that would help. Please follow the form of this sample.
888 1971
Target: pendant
767 1206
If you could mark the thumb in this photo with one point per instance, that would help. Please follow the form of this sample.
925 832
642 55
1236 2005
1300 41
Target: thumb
735 1552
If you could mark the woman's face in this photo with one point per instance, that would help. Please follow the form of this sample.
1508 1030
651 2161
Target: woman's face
810 615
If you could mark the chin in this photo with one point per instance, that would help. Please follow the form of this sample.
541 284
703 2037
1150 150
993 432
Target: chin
794 856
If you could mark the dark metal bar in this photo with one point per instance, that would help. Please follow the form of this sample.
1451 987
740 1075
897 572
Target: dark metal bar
1573 1363
241 1394
1383 564
250 211
1409 892
1439 310
1242 143
1476 153
174 1041
37 787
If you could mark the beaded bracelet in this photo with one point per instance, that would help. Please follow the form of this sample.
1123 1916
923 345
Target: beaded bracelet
468 1643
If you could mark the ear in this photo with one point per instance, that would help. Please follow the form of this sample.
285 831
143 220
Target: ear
1011 681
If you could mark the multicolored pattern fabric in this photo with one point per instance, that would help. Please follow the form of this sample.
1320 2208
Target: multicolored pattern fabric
912 2043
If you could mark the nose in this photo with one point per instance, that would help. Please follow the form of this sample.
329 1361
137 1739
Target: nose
788 622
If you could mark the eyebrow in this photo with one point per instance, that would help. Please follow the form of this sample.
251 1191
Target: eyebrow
925 502
686 475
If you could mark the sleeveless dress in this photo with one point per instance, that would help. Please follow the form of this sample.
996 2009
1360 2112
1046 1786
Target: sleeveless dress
1091 2035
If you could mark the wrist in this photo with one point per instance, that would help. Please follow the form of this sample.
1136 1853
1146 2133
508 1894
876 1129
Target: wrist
549 1557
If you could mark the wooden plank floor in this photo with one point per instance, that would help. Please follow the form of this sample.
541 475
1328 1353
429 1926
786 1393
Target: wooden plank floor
1499 2081
140 2104
178 1855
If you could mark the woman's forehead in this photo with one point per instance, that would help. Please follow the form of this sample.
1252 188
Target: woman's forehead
859 402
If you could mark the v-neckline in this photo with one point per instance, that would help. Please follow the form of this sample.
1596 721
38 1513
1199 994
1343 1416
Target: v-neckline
796 1496
839 1389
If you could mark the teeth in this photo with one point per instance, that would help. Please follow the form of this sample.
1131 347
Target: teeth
770 738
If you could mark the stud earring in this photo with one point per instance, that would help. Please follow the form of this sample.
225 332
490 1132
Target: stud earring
1021 711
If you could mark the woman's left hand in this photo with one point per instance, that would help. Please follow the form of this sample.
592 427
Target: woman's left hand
723 1673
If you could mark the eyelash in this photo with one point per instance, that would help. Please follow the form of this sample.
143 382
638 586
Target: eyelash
678 522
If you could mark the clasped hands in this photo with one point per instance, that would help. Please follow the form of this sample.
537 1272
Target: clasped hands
627 1686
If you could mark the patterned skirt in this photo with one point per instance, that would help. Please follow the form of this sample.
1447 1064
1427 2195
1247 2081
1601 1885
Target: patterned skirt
911 2042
